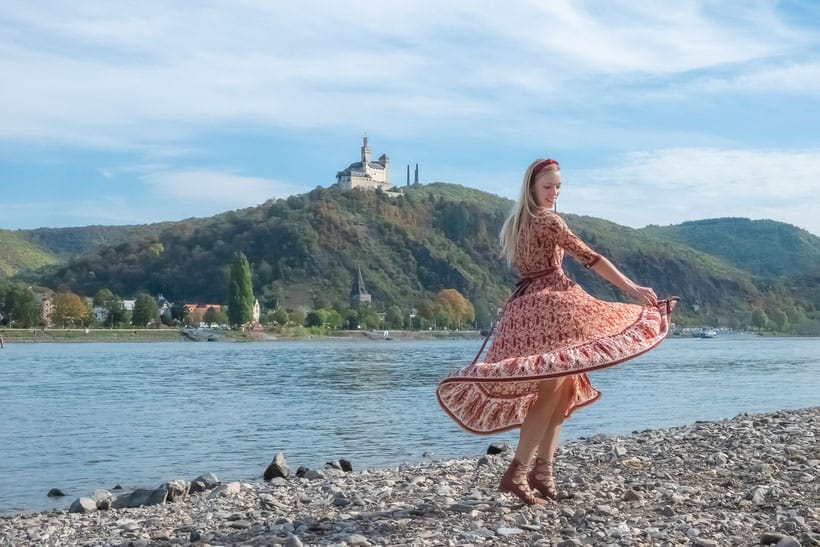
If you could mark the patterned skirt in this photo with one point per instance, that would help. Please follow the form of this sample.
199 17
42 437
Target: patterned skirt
547 333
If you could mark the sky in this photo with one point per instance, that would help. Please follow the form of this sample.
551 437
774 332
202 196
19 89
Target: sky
659 112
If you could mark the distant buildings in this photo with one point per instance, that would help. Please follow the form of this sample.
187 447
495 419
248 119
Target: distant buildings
367 174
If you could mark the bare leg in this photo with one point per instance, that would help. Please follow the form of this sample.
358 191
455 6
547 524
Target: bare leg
538 419
533 430
542 475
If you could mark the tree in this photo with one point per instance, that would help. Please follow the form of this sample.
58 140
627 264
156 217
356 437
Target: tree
240 291
394 318
146 311
20 307
759 318
314 319
103 297
214 317
70 310
280 316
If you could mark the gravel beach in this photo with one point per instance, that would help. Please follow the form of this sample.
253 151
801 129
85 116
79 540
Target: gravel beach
748 480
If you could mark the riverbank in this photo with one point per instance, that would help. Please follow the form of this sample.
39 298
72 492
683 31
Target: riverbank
11 336
724 483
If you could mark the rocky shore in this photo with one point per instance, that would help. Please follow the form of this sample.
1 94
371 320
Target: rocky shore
749 480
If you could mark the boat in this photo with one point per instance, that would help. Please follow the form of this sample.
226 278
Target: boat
706 332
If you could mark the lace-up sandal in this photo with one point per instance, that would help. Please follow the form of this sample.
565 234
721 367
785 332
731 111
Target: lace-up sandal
514 481
542 478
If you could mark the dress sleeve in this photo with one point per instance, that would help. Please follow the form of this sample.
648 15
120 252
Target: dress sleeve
573 244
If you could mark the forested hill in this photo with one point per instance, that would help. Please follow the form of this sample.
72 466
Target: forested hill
18 254
305 250
762 247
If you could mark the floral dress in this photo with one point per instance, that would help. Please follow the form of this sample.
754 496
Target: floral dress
550 327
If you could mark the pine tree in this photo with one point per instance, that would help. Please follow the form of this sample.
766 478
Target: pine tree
240 291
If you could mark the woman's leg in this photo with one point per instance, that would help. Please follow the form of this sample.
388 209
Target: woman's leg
542 475
533 430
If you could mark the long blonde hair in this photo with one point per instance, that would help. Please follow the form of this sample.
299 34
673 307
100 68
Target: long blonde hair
523 211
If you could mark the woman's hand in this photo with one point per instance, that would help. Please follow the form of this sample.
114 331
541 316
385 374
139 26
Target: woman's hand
645 295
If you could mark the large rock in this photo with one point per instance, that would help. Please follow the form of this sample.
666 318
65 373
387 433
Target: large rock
225 490
55 493
141 497
208 481
277 468
83 505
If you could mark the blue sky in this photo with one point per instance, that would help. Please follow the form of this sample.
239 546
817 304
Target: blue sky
660 112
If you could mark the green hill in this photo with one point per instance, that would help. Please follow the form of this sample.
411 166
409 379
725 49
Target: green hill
67 243
304 250
763 248
17 254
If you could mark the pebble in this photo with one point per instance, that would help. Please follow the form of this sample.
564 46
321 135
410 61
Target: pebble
748 480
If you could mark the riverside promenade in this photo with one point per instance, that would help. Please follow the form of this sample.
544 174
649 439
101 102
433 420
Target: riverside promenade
749 480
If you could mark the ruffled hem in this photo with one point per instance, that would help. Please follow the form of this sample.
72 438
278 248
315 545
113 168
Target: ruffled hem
486 398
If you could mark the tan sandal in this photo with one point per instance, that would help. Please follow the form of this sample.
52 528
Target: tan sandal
542 478
514 481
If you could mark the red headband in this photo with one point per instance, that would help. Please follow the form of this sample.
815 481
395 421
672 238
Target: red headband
541 166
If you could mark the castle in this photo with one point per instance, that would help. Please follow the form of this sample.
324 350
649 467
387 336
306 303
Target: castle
367 174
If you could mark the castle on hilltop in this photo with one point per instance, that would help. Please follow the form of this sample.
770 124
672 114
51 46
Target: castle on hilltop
367 174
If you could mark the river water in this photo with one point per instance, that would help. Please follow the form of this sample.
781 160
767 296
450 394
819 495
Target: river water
84 416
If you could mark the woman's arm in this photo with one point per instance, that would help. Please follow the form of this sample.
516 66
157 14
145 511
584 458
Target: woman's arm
608 271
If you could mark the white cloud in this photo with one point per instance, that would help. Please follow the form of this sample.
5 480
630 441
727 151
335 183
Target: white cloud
674 185
127 75
215 190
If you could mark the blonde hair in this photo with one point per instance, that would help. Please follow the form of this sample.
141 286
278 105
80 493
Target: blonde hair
522 213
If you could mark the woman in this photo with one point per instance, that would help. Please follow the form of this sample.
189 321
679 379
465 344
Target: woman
551 334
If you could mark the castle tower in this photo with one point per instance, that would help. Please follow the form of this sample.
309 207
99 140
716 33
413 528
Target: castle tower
365 153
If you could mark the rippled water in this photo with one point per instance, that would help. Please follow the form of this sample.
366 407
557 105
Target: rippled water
86 416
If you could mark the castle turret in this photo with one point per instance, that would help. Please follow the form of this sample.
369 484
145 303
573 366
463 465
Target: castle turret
365 153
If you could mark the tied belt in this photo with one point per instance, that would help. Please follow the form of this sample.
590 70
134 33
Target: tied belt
526 279
523 283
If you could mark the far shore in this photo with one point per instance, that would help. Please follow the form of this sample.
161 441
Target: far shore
168 334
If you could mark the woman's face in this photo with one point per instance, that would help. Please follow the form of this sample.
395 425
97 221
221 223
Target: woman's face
546 187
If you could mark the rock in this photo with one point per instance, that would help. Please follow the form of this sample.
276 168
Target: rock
210 480
767 538
55 493
632 495
225 490
300 472
278 467
498 448
293 541
506 532
197 486
83 505
177 489
140 497
345 465
313 474
357 539
788 541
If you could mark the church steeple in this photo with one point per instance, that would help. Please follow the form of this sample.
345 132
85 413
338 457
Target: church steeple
358 293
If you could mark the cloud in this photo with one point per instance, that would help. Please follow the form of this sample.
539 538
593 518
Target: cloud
131 75
681 184
215 191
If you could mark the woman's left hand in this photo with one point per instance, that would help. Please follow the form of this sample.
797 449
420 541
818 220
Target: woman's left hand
645 295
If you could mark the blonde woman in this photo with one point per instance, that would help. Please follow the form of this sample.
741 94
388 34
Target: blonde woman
551 334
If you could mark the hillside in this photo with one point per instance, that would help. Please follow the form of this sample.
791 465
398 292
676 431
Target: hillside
763 248
17 254
305 249
67 243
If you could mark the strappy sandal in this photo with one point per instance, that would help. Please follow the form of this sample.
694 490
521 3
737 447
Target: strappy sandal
514 481
542 478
